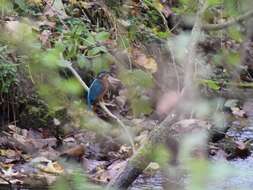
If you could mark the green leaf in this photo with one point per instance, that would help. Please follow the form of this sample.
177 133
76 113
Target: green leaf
184 1
123 42
89 40
51 58
163 34
214 2
6 6
22 5
100 63
235 34
231 7
141 106
102 36
70 86
211 84
82 61
96 50
217 58
137 78
61 184
161 155
233 58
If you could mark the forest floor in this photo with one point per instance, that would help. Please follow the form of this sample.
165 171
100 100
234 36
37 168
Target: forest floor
37 149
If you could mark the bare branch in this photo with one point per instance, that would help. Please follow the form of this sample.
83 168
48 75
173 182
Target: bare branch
213 27
191 50
229 23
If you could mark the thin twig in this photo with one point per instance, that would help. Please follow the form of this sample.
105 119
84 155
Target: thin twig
229 23
213 27
191 50
175 68
119 122
30 73
6 180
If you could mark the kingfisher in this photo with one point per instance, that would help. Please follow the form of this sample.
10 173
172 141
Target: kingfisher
98 88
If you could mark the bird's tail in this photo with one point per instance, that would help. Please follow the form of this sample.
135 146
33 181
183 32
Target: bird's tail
89 101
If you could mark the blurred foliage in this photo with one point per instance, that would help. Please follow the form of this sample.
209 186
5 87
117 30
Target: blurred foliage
84 45
77 180
211 84
161 155
137 82
7 77
231 6
7 71
6 7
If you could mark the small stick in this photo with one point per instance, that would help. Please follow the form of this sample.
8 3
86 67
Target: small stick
119 122
6 180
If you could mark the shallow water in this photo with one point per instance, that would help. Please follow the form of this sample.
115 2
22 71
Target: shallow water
146 182
241 177
242 180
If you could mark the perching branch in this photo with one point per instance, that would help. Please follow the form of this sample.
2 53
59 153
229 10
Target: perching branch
229 23
119 122
212 27
69 66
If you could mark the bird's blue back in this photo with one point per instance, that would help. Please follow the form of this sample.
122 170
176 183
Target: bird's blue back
96 88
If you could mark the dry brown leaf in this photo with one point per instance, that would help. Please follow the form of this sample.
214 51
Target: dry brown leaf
142 60
45 22
126 151
152 167
167 102
55 8
7 170
242 149
76 152
238 112
38 2
8 153
240 145
14 129
51 167
101 176
121 100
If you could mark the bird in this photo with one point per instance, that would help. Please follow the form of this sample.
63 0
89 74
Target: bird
98 88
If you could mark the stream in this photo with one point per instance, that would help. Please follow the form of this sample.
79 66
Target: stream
243 181
241 176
